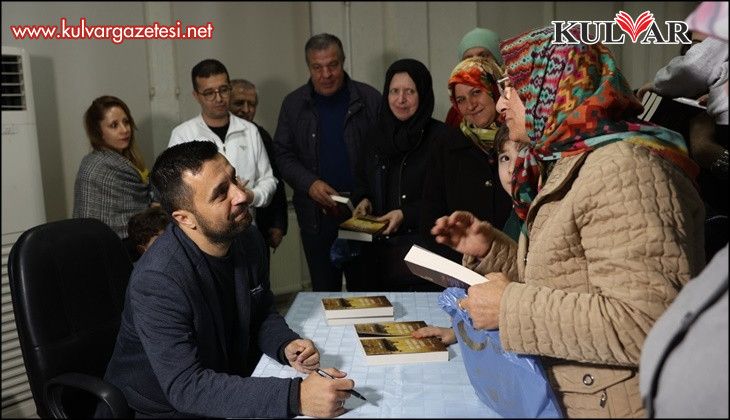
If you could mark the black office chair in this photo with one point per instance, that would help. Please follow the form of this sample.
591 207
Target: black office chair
67 281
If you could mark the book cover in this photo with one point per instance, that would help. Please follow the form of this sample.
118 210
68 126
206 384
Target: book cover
359 320
343 210
442 271
357 307
388 329
672 113
399 350
361 228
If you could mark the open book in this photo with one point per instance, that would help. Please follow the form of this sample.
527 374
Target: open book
442 271
361 228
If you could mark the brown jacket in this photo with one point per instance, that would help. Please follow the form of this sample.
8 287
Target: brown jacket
613 236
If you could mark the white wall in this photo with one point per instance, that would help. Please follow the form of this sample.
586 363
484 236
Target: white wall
263 42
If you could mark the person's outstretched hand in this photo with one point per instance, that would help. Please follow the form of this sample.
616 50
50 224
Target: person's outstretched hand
463 232
446 335
364 207
642 90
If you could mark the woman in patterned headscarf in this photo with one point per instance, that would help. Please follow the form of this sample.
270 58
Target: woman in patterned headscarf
463 172
613 225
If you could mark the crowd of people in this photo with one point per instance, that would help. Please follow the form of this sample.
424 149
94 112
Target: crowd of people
586 221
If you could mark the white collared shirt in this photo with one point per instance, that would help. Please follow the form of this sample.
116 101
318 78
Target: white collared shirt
243 148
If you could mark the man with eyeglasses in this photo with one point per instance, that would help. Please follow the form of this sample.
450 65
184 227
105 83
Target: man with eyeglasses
237 139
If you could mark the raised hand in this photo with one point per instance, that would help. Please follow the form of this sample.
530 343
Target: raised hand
463 232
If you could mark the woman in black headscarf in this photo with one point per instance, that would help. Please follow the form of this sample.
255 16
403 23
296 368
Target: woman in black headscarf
390 172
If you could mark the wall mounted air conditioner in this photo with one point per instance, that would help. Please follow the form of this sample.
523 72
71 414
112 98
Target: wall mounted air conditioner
22 208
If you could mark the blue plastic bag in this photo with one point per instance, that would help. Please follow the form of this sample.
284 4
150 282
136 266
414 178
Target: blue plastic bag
344 250
513 385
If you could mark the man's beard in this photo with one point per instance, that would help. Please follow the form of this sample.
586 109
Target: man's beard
227 233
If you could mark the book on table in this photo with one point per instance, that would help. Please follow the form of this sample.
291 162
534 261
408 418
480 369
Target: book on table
343 209
358 320
403 349
361 228
357 310
388 329
440 270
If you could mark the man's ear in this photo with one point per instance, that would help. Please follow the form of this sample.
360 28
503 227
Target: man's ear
184 218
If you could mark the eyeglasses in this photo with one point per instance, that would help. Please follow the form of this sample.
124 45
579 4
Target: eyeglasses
502 85
209 95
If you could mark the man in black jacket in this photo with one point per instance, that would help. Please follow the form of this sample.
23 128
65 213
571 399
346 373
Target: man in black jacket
321 131
199 311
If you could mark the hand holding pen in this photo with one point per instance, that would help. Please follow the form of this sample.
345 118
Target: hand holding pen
320 396
351 391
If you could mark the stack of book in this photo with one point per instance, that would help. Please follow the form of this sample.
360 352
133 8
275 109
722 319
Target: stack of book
440 270
357 310
392 343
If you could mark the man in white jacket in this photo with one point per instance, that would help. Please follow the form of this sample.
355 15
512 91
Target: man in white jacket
237 139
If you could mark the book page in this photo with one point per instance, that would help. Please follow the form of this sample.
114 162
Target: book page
440 270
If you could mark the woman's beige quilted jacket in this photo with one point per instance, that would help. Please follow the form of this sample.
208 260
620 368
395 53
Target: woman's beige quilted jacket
613 236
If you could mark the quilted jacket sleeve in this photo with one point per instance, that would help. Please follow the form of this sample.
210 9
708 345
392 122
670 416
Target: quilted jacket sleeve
611 242
501 257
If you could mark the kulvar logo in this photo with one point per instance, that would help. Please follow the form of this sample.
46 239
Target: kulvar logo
634 29
607 31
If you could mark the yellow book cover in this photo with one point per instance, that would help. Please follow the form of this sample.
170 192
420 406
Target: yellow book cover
357 306
396 350
361 228
388 329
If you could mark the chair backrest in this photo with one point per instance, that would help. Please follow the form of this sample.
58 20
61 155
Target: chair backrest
67 281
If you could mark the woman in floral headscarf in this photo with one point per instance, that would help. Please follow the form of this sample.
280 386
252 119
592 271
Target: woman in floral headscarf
463 172
613 225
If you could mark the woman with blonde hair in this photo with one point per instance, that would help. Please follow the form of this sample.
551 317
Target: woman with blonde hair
111 184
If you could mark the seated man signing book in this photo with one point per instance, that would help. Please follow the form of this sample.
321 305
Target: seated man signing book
199 311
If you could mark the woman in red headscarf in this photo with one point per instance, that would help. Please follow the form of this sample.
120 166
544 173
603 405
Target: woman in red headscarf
613 225
462 173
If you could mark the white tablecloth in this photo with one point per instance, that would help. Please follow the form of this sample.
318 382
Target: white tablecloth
420 390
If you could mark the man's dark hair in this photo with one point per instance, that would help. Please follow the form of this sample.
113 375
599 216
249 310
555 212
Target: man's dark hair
143 226
206 68
322 42
166 177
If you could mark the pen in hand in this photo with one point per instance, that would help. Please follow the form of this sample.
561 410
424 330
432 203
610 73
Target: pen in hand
327 375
